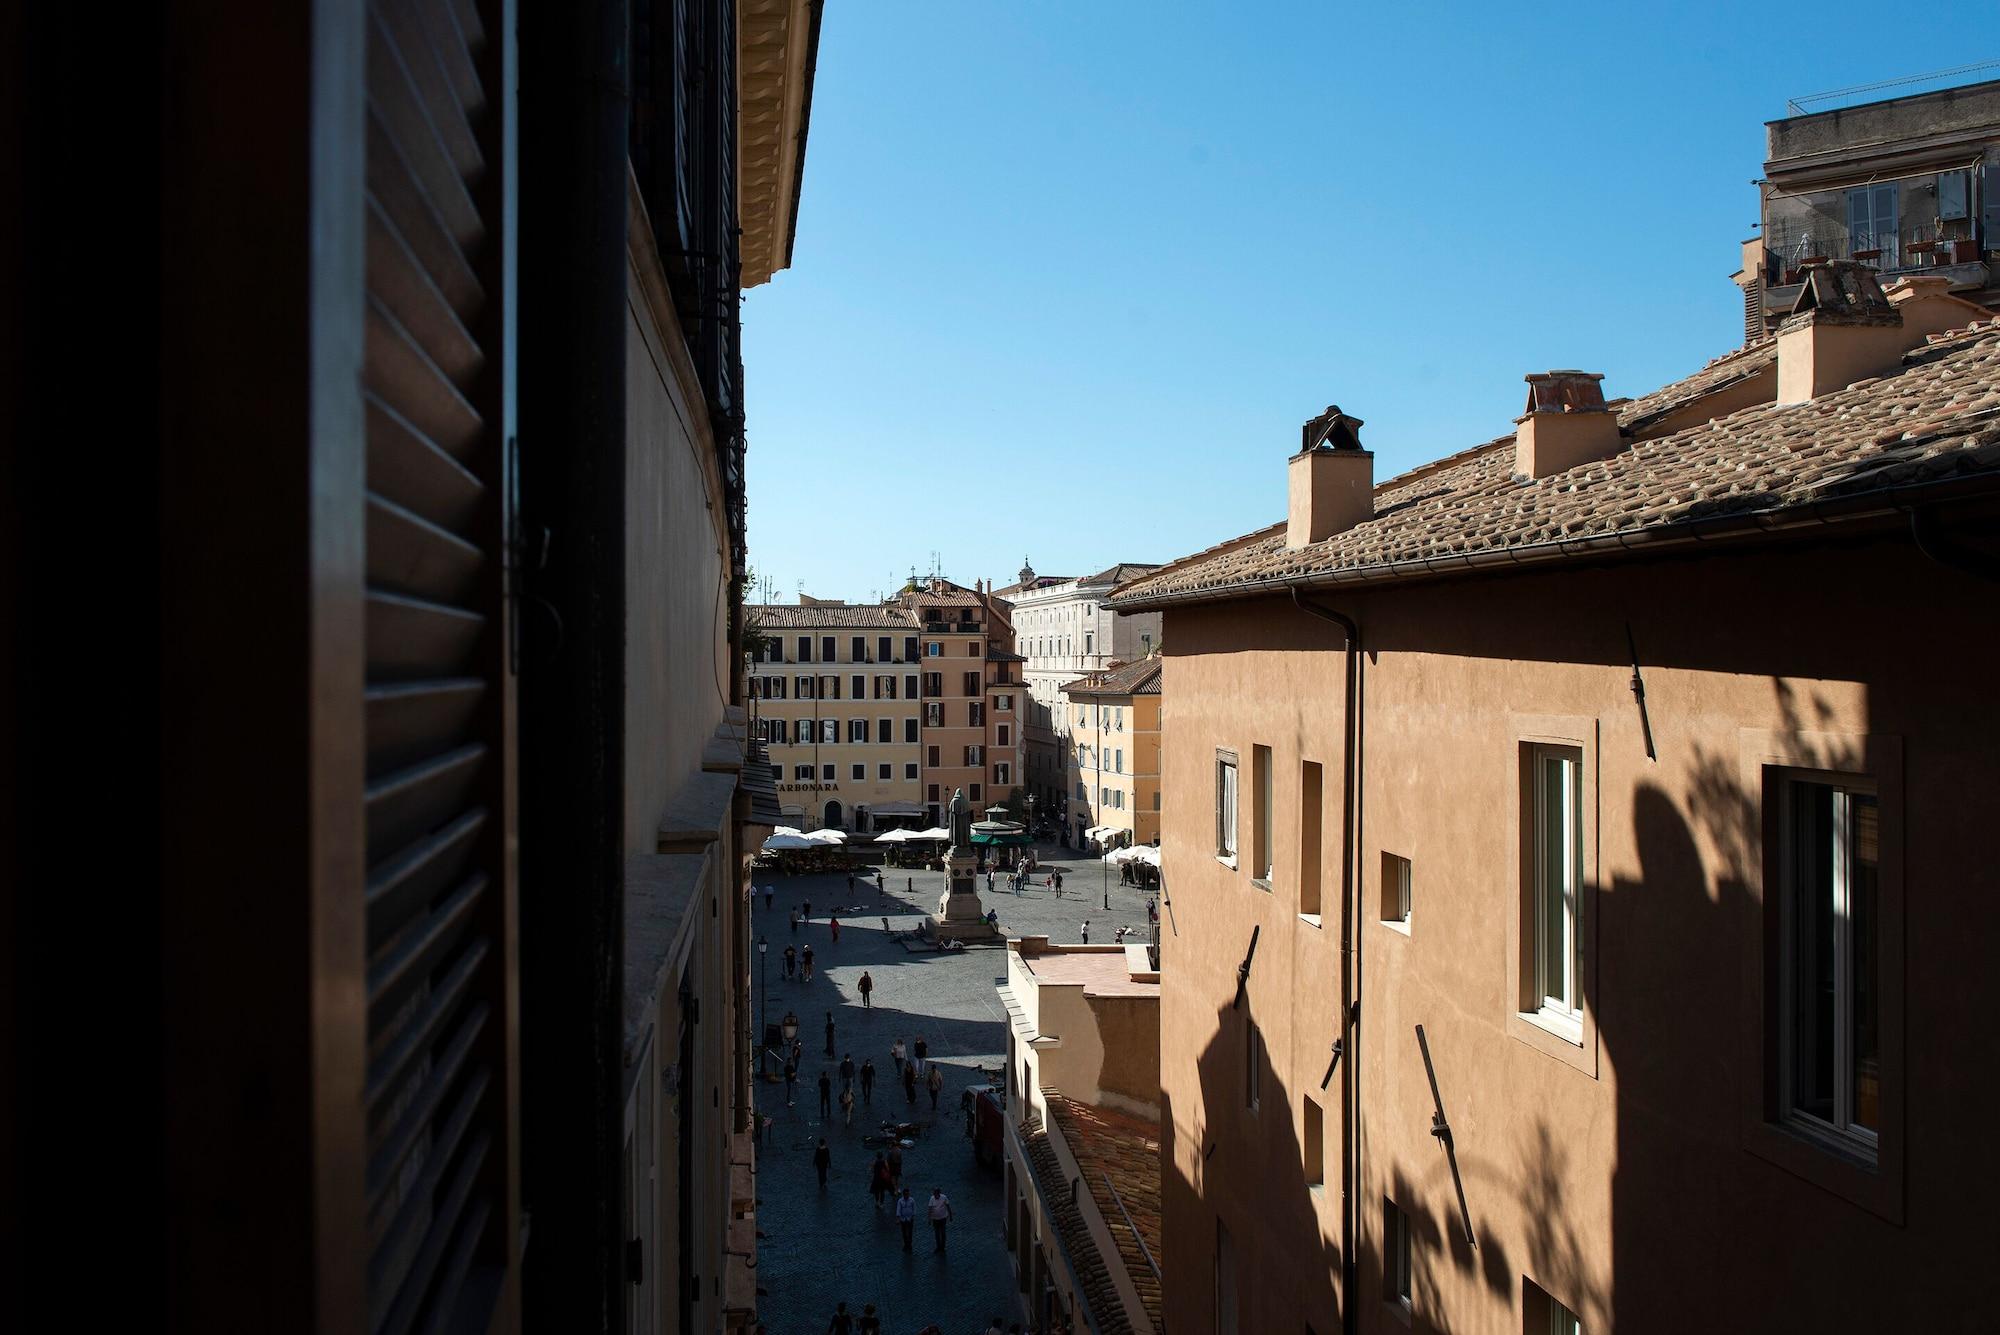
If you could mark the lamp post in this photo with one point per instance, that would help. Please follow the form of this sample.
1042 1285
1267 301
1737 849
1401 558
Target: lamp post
1107 882
763 1008
1031 819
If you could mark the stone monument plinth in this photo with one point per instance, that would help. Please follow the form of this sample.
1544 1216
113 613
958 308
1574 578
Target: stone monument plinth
959 914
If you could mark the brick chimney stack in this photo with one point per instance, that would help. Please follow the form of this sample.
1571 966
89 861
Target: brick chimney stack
1566 424
1331 480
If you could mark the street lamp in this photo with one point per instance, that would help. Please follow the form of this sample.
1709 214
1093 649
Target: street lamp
763 1008
789 1027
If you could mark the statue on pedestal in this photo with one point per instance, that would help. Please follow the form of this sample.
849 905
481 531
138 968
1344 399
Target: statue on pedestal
959 914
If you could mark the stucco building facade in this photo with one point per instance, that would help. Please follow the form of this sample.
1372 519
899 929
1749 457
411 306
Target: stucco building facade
1065 630
972 691
1113 720
1569 914
836 697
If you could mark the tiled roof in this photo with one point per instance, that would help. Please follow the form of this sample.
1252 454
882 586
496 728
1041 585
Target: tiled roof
821 616
1932 422
1100 1295
1121 572
1113 1144
1138 678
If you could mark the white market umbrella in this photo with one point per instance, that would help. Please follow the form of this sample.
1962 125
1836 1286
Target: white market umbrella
787 843
827 837
935 832
895 836
792 830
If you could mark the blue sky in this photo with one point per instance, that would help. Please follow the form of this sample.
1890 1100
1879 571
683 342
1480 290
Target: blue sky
1069 276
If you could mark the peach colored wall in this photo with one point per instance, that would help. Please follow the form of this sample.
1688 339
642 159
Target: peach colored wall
1632 1177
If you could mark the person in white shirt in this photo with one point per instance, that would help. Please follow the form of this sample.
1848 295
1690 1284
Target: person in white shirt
939 1211
906 1216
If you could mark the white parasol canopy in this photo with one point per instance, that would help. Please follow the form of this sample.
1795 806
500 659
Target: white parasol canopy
1143 853
827 837
788 843
896 836
935 832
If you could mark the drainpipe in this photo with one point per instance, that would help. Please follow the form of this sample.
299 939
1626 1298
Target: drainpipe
1350 959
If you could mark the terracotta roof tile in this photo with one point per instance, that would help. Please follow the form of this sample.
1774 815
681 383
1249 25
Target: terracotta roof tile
1935 418
1137 678
822 616
1125 1149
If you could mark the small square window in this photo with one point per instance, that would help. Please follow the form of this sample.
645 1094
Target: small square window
827 773
910 771
885 771
860 773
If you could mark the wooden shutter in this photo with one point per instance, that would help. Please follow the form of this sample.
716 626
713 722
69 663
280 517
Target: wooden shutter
440 1175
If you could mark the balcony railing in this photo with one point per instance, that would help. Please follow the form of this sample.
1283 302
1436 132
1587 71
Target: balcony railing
1913 246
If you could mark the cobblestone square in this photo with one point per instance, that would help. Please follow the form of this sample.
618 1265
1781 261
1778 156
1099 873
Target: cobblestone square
821 1247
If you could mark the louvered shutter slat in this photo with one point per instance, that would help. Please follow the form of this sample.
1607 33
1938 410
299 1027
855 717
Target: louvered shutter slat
404 466
410 720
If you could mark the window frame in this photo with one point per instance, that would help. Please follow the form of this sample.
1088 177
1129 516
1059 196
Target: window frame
1228 806
1571 1038
1263 815
1557 995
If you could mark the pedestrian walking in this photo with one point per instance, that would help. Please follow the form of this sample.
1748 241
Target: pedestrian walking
770 892
1086 931
938 1211
822 1160
906 1216
866 987
1152 910
868 1079
1059 883
989 880
850 885
895 1167
825 1094
806 911
878 1180
910 1082
791 960
829 1033
923 1051
833 925
847 1070
791 1075
798 1052
870 1324
847 1106
842 1323
910 884
896 1052
806 964
934 1083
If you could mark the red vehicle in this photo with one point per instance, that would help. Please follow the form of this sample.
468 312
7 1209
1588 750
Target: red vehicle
986 1122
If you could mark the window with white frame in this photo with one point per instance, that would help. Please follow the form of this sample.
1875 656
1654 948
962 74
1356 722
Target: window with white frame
857 730
829 730
885 772
1003 702
933 649
826 774
910 770
859 684
1225 806
1829 1033
802 773
1555 882
910 727
885 730
1395 1255
858 773
805 649
1003 774
805 685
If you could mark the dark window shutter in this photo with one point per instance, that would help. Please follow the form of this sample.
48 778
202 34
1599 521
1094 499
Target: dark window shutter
440 1170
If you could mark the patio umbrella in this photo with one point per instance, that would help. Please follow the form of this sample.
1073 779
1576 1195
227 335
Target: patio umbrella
827 837
935 832
787 843
895 836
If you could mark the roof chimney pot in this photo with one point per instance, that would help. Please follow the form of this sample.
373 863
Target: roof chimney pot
1566 424
1330 481
1842 328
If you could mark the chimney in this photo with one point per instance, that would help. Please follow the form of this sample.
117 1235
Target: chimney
1566 424
1842 329
1331 480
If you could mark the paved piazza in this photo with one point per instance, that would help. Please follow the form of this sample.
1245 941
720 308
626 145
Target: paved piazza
823 1247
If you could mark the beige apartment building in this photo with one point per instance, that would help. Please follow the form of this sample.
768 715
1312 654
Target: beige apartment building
1579 904
835 692
1065 630
1082 1164
1113 719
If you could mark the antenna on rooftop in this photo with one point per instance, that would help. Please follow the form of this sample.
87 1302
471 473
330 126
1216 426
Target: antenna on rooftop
1798 106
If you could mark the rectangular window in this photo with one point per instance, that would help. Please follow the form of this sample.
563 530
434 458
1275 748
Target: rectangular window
1312 1141
1555 879
932 649
826 774
975 793
860 687
859 773
1082 791
1003 775
1002 735
1830 1067
1395 890
909 648
932 793
972 683
885 730
910 770
857 730
802 773
972 648
829 687
975 756
885 772
883 650
829 730
933 683
910 727
1225 806
1118 759
826 650
1395 1255
805 688
1003 702
1541 1314
1262 845
910 685
931 758
805 648
934 715
777 773
1312 786
1253 1065
975 715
